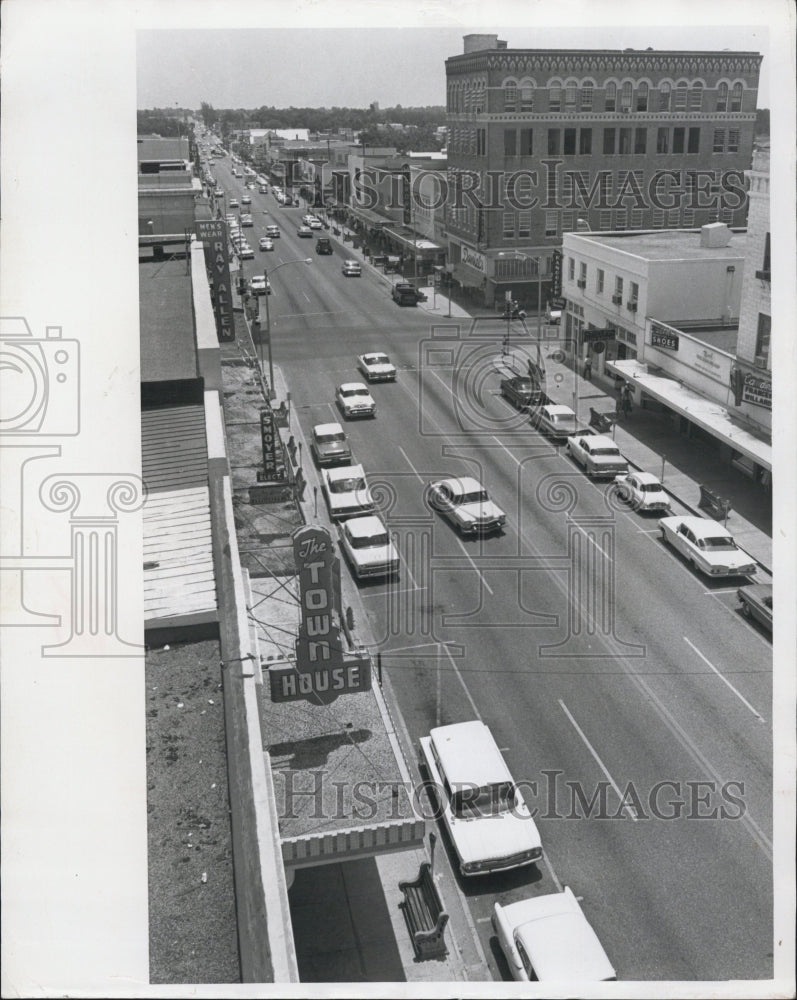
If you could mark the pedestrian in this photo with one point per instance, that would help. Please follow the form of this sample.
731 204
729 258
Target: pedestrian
626 398
588 369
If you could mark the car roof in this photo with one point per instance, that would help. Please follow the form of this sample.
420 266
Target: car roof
705 528
345 472
362 527
600 439
333 428
481 765
460 484
646 477
353 385
374 354
556 408
352 262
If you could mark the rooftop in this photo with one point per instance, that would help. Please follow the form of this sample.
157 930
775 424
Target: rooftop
166 317
666 244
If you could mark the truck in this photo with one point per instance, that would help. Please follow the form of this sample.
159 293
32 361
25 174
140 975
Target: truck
404 294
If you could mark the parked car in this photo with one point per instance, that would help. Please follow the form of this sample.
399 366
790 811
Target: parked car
376 367
404 293
597 453
519 390
708 546
219 192
273 232
351 268
756 601
259 284
329 444
246 220
642 491
307 219
323 245
355 400
347 492
553 315
265 243
305 232
246 200
246 252
465 503
490 826
233 203
557 421
367 546
315 223
548 938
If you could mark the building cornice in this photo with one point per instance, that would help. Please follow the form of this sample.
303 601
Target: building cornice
614 62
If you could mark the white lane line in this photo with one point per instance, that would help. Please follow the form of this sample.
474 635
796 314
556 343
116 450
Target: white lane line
476 711
305 295
595 544
387 593
487 586
419 645
515 460
409 463
722 590
630 809
724 679
551 872
483 920
448 389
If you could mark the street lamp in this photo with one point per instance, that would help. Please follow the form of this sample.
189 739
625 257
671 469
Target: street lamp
298 260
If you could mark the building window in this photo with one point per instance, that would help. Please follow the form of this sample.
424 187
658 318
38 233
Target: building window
642 97
586 98
673 217
527 98
626 96
625 141
678 135
722 97
719 140
599 281
509 225
608 141
510 142
681 95
618 288
736 97
611 96
693 145
733 140
658 218
551 223
767 268
664 96
585 142
481 141
524 223
571 93
634 292
640 140
696 97
663 140
636 218
510 97
762 337
568 221
553 141
582 272
570 142
526 146
555 99
621 218
571 269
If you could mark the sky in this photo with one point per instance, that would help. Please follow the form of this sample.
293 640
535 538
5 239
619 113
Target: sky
326 65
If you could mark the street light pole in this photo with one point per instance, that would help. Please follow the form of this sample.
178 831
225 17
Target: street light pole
298 260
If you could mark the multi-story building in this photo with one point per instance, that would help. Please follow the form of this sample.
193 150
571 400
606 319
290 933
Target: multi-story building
544 142
168 190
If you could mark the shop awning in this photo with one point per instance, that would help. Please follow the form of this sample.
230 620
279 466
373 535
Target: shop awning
412 241
367 215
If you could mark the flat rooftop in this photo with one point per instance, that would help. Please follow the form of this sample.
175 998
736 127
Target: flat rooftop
667 244
168 351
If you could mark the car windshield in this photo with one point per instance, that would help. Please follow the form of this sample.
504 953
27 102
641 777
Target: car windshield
470 802
330 438
605 451
523 384
369 541
473 496
354 392
719 542
377 359
562 418
347 485
650 487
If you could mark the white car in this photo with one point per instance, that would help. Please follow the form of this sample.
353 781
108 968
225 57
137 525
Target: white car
366 544
376 367
246 200
464 502
305 232
315 223
548 938
246 220
558 422
329 444
351 269
708 546
487 819
233 203
598 453
355 400
307 219
347 492
642 491
265 243
259 284
273 232
246 252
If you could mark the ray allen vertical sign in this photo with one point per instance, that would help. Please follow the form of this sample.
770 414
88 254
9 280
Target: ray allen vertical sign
213 233
323 670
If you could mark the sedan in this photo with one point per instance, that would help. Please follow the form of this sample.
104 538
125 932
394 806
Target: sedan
708 546
233 203
519 391
329 444
246 220
246 252
368 548
465 503
315 223
756 601
265 243
246 200
259 284
355 400
376 367
347 492
273 232
351 268
558 422
305 232
642 491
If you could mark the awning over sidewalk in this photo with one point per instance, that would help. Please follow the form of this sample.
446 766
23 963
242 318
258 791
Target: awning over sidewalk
706 413
412 241
369 217
467 275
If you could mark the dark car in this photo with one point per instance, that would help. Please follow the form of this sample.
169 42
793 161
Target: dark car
404 293
323 245
520 391
756 601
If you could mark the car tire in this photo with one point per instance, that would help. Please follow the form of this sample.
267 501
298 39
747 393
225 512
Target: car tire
746 609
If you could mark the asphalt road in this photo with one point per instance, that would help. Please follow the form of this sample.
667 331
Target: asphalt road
603 664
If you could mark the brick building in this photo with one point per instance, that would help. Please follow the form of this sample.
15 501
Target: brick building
544 142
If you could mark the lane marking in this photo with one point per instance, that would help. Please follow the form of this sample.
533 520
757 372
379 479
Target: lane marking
387 593
447 388
461 680
409 463
723 679
630 809
476 570
515 460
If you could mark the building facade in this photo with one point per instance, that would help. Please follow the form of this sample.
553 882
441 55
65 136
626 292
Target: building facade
545 142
